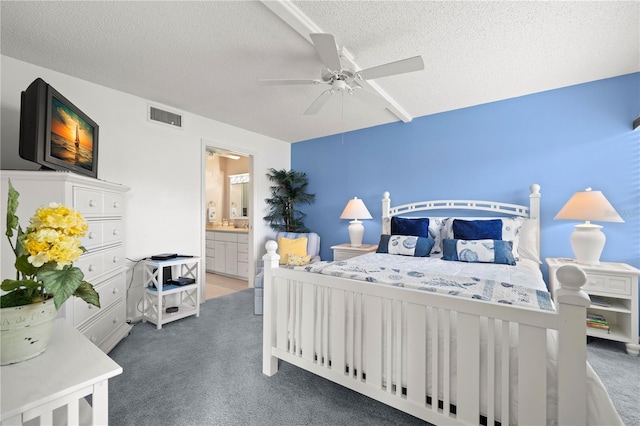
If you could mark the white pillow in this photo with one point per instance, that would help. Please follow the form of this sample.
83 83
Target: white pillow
528 248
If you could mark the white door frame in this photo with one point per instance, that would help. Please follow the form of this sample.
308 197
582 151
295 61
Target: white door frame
210 143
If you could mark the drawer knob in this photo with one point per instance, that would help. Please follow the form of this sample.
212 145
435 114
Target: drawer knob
93 339
116 205
91 235
116 320
92 203
91 268
115 290
116 259
115 231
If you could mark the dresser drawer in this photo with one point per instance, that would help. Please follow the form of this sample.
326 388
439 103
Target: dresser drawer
608 283
112 231
95 264
113 204
87 201
101 326
94 236
109 291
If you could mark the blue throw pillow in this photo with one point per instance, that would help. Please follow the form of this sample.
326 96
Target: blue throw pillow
477 229
483 251
416 226
405 245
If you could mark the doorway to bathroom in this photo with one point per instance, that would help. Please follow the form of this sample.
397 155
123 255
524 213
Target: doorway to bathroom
228 209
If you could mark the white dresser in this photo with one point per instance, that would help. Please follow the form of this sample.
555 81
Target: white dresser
103 206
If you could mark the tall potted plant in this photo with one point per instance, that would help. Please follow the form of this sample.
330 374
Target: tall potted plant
288 191
45 277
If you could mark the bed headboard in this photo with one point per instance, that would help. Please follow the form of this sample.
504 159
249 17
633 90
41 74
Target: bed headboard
532 211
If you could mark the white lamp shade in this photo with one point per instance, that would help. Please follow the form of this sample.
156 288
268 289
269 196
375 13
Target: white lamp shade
355 210
587 239
589 205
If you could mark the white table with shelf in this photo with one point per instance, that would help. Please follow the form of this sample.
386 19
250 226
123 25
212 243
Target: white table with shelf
347 251
52 387
185 297
617 285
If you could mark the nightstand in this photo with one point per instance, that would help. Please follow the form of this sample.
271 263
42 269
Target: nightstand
616 288
346 251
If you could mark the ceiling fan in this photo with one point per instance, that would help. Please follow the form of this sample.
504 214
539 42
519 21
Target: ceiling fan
344 79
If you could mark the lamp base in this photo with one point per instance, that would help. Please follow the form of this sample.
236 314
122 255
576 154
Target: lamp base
356 232
587 241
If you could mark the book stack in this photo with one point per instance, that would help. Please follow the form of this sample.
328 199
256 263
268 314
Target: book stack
598 322
599 301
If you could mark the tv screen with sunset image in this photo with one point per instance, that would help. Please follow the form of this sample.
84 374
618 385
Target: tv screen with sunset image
71 136
55 133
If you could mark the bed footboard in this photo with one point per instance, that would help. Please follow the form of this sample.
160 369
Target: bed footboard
440 358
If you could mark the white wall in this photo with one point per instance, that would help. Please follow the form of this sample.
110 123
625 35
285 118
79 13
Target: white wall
163 166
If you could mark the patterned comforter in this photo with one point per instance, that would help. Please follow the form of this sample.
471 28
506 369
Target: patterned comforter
467 287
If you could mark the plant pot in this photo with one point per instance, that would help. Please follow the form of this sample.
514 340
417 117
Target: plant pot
25 331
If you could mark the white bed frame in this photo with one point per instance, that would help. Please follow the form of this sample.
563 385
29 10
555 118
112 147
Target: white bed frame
300 312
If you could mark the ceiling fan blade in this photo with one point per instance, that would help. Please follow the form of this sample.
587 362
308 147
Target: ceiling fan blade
280 82
327 50
318 103
398 67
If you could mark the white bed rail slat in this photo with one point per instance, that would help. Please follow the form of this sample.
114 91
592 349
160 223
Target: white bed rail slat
373 340
491 362
468 362
434 346
307 330
416 354
338 327
532 386
504 373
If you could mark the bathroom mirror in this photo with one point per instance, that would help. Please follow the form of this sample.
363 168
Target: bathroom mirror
239 196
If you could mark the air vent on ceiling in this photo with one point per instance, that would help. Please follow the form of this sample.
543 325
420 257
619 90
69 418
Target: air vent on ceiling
162 116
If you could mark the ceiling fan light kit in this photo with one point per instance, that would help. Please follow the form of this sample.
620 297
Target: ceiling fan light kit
341 78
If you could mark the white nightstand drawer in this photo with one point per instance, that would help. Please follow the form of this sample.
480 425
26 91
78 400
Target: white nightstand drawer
608 283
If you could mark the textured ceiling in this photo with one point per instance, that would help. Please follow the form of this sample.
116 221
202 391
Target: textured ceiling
206 57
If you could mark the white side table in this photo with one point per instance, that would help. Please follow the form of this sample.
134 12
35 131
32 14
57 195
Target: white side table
71 368
617 285
346 251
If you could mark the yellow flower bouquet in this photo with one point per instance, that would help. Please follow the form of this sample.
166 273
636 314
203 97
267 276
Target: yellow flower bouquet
45 253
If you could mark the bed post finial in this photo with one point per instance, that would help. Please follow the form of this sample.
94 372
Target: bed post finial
534 189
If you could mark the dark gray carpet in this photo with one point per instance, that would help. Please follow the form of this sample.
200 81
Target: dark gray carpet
208 371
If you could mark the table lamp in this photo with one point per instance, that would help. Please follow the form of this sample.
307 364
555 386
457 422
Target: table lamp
355 210
587 240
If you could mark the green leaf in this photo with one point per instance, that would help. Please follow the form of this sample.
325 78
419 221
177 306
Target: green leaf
15 298
22 264
12 207
87 293
10 285
61 283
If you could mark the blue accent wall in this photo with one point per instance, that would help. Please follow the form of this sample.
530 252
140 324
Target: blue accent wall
565 140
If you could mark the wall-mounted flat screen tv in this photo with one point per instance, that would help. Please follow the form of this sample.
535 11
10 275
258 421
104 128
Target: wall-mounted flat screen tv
56 134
